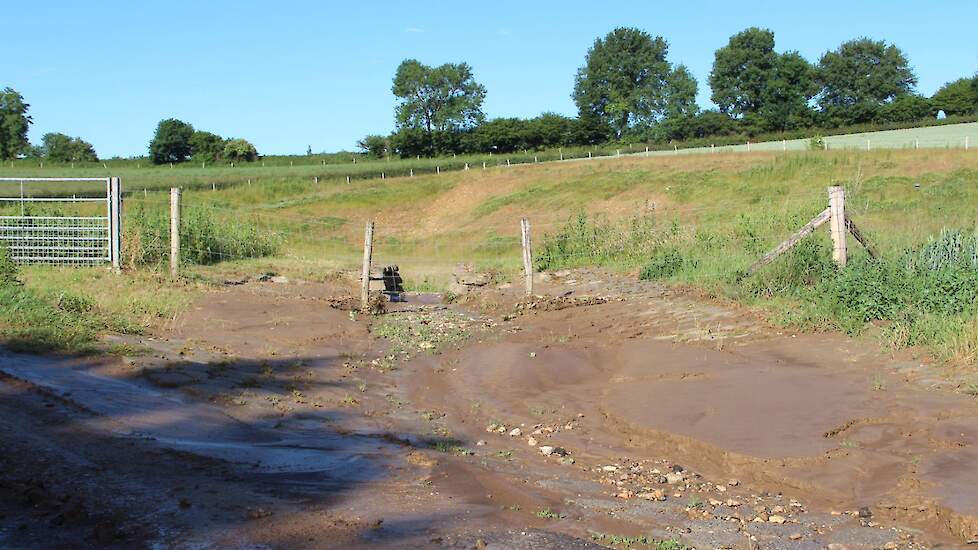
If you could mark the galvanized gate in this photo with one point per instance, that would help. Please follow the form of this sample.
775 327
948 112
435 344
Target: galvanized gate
62 221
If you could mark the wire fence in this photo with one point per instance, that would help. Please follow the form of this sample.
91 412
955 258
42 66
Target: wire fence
217 233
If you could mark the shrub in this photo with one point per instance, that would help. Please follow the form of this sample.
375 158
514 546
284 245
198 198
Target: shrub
74 303
867 290
240 150
665 262
941 279
596 241
8 270
817 143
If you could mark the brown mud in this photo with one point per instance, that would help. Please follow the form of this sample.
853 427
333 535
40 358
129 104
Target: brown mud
604 410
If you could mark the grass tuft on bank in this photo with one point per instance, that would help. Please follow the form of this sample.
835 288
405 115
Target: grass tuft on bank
51 309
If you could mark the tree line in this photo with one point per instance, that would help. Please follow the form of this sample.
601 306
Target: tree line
629 91
174 140
177 141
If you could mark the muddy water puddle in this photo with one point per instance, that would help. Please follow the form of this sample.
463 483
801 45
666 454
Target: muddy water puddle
293 453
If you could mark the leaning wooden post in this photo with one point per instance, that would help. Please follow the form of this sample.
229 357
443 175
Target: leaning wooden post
368 246
527 256
794 239
837 225
174 232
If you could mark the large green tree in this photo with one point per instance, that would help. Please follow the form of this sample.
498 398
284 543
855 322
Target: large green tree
742 71
628 84
14 122
959 97
787 105
206 146
62 148
171 143
749 79
864 72
437 99
681 88
374 145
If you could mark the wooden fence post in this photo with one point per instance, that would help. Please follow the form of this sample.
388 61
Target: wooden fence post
837 225
115 222
368 246
527 256
174 232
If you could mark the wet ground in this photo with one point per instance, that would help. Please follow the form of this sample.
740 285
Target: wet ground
617 414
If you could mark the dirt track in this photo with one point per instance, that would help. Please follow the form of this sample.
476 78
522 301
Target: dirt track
267 418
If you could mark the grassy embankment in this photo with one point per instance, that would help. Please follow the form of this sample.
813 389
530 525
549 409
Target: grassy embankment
696 220
140 175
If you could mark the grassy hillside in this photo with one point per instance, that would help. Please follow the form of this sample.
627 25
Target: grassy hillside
139 175
697 220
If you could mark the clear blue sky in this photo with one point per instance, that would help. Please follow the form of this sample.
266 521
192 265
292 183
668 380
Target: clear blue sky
288 74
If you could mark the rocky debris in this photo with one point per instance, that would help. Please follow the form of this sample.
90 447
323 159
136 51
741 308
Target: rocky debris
555 303
376 304
515 432
271 278
655 494
673 478
465 279
496 428
258 513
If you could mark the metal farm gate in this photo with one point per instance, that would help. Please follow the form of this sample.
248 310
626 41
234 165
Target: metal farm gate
62 221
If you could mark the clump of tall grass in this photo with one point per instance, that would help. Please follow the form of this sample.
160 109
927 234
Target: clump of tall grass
595 240
205 237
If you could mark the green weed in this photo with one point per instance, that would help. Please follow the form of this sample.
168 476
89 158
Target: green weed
547 513
642 540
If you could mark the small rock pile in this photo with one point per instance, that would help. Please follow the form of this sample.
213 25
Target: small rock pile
465 280
537 433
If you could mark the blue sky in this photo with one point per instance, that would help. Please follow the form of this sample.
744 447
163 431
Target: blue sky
289 74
